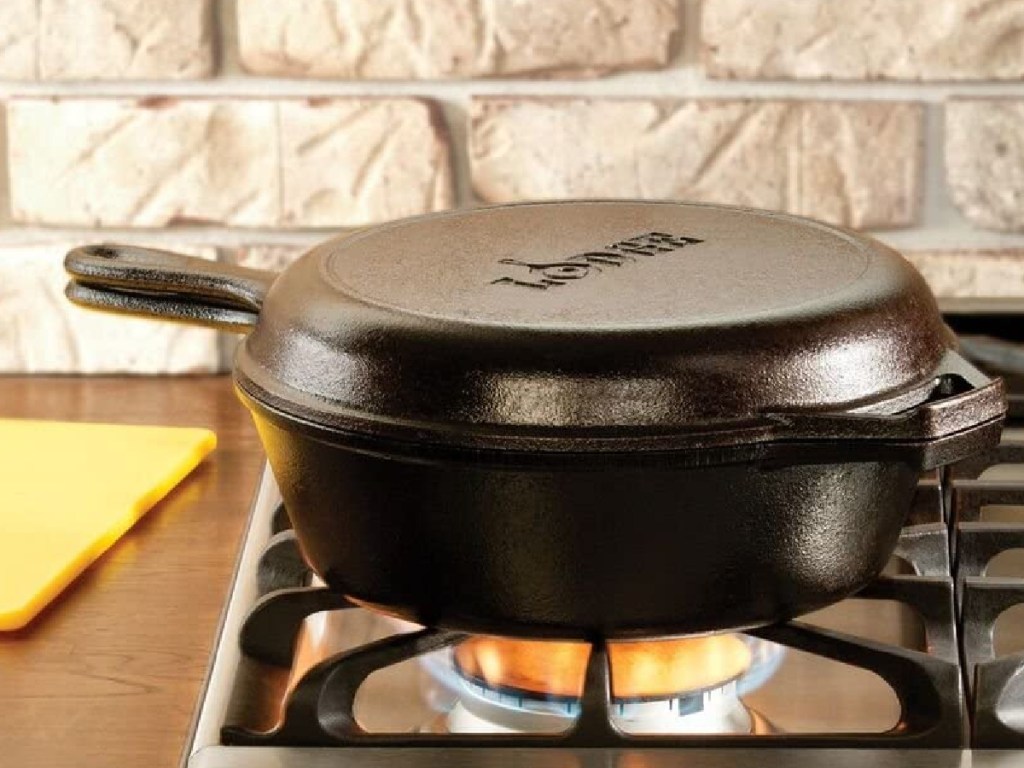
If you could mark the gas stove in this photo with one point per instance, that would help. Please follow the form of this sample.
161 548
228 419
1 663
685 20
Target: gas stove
924 666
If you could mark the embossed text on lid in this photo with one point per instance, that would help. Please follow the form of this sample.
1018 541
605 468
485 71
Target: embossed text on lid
719 263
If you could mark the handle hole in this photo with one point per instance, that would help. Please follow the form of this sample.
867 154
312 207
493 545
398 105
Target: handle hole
103 251
949 384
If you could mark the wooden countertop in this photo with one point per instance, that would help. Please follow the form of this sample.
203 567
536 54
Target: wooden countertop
108 675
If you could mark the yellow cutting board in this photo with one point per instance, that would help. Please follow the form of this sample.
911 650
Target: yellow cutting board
69 491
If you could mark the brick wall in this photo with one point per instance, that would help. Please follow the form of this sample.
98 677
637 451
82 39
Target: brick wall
247 130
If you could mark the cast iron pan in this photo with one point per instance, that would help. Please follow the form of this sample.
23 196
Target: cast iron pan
593 418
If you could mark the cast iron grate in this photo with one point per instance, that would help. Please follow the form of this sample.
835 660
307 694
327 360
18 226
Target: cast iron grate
996 684
319 709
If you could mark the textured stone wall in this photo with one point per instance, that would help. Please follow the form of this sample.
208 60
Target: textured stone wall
247 130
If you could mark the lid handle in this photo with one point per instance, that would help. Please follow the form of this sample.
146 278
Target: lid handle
171 286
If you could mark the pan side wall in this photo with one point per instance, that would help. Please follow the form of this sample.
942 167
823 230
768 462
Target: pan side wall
616 551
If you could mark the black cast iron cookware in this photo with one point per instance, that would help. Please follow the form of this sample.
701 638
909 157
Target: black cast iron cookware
588 418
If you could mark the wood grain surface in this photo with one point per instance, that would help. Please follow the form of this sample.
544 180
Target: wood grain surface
108 675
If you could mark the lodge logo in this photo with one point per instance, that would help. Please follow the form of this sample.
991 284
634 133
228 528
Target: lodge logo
549 274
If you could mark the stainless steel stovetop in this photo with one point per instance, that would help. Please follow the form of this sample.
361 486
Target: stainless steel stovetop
813 692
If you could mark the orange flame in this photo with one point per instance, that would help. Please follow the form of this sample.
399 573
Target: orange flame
641 669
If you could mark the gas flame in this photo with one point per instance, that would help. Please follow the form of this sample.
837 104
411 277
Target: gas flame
639 669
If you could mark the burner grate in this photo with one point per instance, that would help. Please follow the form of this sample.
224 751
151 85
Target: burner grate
319 709
996 690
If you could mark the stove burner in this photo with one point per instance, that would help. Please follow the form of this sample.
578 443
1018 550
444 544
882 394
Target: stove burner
673 686
486 710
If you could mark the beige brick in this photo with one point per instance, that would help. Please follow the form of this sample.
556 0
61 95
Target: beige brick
42 332
453 38
112 39
351 162
274 258
110 162
972 273
93 162
125 39
864 39
985 161
807 158
19 27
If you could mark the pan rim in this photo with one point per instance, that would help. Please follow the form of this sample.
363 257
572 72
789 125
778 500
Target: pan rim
772 450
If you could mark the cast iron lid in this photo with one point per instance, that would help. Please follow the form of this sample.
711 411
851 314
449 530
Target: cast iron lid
579 325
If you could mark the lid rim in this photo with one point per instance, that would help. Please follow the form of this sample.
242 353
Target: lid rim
751 431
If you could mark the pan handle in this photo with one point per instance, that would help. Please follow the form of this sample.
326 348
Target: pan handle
161 284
